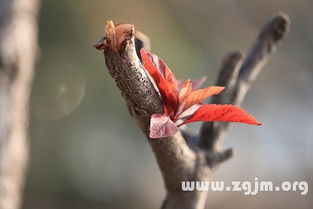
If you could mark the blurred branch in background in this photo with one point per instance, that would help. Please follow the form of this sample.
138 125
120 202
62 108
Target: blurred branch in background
18 50
237 74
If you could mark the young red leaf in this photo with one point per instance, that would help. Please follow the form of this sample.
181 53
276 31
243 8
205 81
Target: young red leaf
161 126
197 83
172 84
188 112
183 93
169 100
169 78
226 113
185 90
199 95
157 62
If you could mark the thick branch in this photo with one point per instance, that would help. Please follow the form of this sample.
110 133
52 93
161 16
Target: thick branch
130 77
238 76
177 161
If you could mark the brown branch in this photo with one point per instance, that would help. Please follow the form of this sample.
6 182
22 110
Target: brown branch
130 77
18 48
179 158
215 131
177 161
238 75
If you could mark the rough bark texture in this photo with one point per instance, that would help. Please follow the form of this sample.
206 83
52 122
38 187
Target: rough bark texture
18 47
183 157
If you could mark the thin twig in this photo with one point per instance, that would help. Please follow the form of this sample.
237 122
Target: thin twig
238 77
215 131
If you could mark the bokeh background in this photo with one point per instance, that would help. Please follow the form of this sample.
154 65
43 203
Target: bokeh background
87 152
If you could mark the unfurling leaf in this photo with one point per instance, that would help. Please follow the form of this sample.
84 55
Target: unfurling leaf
161 126
185 90
199 95
169 95
195 83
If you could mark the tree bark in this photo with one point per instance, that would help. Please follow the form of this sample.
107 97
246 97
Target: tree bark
18 49
183 157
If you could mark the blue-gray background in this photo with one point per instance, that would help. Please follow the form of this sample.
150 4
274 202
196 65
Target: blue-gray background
87 152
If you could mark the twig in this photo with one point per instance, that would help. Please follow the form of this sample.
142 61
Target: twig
215 131
238 76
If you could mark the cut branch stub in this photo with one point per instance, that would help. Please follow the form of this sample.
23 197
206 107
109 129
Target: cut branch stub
130 77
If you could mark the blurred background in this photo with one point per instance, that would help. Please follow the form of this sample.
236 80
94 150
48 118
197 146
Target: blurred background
87 152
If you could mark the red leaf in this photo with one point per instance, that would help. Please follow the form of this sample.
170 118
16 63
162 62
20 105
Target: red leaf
169 78
188 112
197 83
158 64
166 90
226 113
183 93
166 72
185 90
199 95
161 126
172 83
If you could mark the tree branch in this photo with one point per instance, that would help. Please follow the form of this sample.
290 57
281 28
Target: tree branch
213 132
237 75
178 160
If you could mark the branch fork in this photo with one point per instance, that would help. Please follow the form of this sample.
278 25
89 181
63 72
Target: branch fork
183 157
